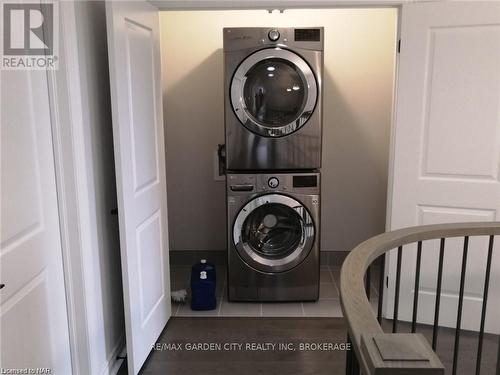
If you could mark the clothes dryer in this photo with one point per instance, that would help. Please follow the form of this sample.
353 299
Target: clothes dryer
273 98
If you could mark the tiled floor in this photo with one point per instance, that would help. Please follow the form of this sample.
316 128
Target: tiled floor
327 306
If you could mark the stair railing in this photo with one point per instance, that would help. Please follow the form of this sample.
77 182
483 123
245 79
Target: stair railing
375 352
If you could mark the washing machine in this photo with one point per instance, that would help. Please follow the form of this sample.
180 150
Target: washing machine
273 98
273 236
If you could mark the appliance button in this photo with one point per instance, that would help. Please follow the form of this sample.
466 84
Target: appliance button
273 182
274 35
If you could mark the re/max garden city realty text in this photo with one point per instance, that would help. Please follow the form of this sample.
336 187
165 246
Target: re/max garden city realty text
252 346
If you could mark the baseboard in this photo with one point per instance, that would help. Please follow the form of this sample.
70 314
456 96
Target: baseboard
190 257
219 257
333 258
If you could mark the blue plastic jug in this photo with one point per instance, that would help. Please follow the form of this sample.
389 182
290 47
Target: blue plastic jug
203 279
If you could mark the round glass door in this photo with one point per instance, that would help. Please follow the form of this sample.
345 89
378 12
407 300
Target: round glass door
273 92
273 233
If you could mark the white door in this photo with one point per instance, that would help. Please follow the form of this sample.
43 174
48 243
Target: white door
33 316
135 73
446 155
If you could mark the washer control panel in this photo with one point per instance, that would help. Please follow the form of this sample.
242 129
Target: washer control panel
299 182
273 182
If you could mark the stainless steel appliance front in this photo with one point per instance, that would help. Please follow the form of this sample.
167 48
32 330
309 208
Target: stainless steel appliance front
273 98
273 236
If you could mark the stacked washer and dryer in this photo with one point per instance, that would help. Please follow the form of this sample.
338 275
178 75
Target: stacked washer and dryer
273 125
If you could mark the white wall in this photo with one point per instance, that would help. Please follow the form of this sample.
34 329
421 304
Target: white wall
358 84
102 272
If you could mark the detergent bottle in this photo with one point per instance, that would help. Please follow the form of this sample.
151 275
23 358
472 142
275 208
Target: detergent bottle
203 279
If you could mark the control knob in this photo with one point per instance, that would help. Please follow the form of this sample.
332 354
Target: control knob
273 182
273 35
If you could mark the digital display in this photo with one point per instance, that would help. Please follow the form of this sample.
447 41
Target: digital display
305 181
307 35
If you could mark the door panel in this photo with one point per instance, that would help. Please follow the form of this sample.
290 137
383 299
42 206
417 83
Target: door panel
139 44
446 161
474 83
33 302
135 73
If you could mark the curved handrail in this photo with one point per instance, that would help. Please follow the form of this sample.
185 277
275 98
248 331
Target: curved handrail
356 307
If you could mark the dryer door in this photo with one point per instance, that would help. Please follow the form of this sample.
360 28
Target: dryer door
273 92
273 233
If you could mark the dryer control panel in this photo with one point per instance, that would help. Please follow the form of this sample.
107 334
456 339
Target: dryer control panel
243 38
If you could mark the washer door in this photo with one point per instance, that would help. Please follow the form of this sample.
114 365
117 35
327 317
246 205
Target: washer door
273 92
273 233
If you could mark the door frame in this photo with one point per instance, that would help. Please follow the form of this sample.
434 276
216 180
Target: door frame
197 5
392 146
72 185
71 166
69 160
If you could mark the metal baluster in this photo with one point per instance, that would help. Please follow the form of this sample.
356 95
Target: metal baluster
381 289
352 364
417 287
483 311
498 359
355 364
396 298
368 281
348 365
438 295
460 304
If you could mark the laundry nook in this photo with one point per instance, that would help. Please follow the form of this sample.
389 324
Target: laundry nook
250 187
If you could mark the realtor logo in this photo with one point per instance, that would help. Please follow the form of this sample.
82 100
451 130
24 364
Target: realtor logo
29 36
